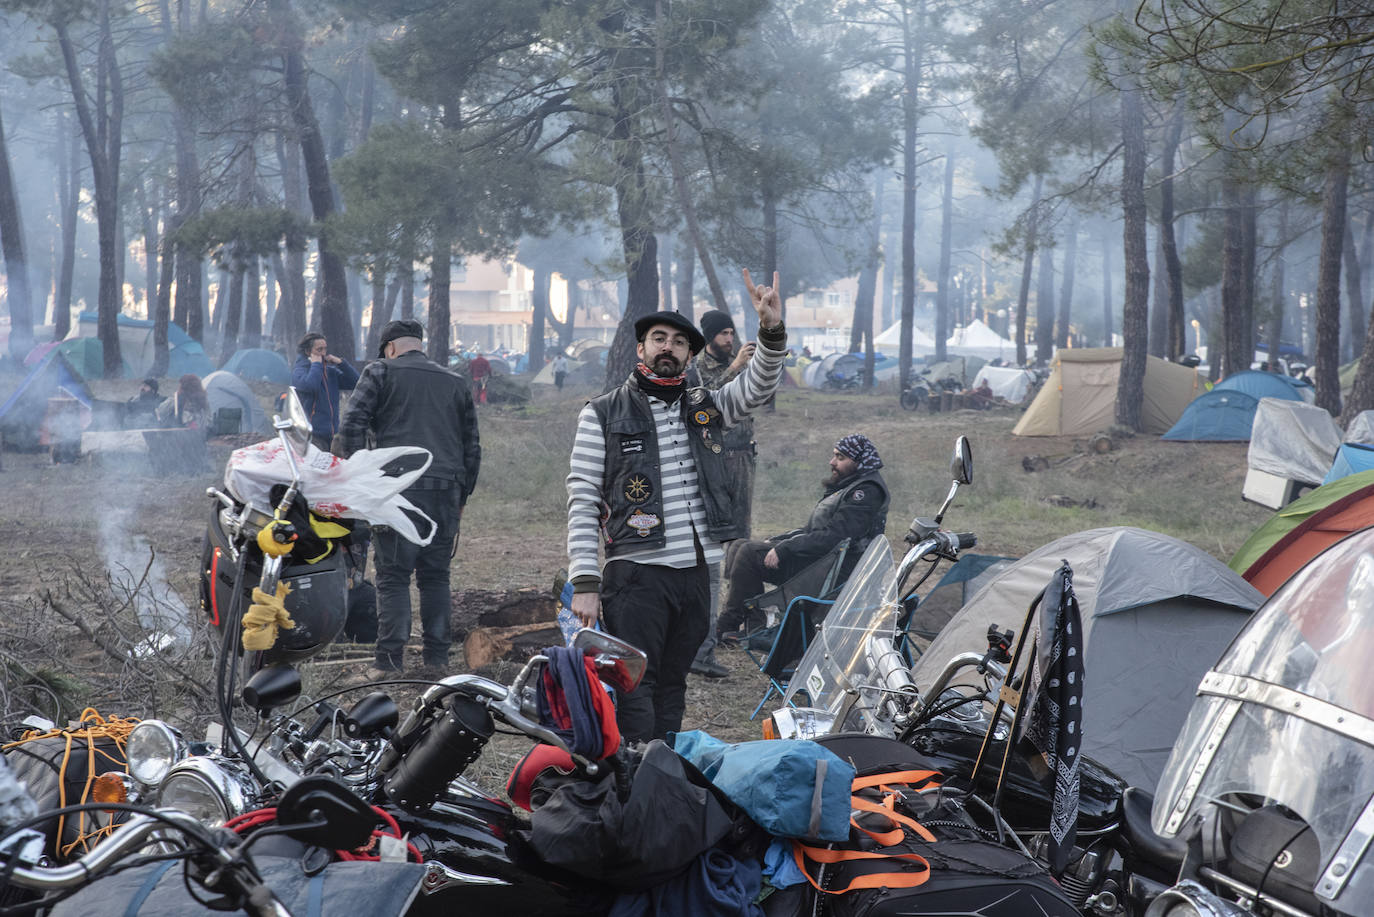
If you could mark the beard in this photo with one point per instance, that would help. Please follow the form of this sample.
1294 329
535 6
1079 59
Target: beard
831 478
721 353
666 366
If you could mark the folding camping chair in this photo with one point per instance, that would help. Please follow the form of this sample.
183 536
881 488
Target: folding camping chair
801 603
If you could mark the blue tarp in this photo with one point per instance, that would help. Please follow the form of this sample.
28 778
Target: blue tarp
1351 458
1220 415
1259 385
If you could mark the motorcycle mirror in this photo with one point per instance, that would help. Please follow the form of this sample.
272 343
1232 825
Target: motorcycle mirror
296 425
618 664
961 465
271 687
375 714
321 811
961 469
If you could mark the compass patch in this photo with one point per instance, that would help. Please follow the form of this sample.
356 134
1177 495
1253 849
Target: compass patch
638 488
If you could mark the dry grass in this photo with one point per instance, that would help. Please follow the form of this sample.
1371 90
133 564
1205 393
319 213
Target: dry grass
64 529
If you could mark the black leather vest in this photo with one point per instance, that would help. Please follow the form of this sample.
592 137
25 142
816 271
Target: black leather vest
631 481
825 509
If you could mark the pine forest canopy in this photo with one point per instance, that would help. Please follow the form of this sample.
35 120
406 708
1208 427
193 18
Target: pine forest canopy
1160 174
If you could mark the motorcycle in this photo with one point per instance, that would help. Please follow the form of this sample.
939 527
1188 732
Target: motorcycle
133 862
856 678
1271 781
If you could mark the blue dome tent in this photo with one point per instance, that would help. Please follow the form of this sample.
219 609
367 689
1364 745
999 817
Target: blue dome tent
1216 416
1259 385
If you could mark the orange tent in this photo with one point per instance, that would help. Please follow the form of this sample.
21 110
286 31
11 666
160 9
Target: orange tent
1303 529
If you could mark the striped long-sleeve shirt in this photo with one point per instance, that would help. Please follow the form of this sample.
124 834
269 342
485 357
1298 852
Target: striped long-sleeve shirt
684 515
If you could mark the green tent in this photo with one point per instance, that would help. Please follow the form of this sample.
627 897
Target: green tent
1293 515
87 357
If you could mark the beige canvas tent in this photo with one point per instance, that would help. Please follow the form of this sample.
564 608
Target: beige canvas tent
1080 395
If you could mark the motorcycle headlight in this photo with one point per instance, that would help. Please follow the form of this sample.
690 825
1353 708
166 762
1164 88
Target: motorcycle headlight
210 791
153 747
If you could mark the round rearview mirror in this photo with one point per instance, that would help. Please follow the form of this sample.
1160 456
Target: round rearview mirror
296 424
961 466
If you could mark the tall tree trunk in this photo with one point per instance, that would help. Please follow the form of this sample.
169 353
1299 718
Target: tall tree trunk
1159 301
17 293
942 305
1044 306
1130 392
162 311
861 329
1175 343
1334 190
639 246
543 278
440 278
233 306
332 291
186 311
1354 289
291 321
103 133
69 194
686 276
913 25
665 277
150 214
1027 268
1235 356
407 293
1278 293
252 304
889 281
1249 243
1061 335
381 314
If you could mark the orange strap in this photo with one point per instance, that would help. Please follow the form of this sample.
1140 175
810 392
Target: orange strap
801 853
886 783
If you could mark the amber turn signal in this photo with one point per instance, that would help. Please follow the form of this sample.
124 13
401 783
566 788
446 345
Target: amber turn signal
109 788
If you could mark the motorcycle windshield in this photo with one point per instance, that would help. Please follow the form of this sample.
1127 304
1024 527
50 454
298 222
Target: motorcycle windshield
835 661
1287 715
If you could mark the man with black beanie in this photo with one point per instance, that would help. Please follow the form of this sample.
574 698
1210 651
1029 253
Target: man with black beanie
647 482
404 399
719 362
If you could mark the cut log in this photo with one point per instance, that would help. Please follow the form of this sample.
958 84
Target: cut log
486 645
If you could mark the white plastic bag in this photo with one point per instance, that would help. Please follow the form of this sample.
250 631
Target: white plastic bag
351 488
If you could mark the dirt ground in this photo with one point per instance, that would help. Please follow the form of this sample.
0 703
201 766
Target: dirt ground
72 533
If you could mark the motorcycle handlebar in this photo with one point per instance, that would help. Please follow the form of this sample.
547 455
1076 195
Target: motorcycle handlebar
131 836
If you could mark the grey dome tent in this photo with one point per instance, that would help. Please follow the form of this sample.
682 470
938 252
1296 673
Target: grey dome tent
223 389
1157 614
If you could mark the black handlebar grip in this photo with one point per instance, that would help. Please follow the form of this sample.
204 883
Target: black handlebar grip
966 539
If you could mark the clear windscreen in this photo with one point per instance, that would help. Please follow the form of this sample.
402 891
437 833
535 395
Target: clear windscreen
836 660
1314 638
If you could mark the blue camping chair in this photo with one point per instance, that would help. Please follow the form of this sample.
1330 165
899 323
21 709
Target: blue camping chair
801 602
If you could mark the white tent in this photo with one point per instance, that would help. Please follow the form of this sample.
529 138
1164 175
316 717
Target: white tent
1006 382
890 341
1293 439
976 339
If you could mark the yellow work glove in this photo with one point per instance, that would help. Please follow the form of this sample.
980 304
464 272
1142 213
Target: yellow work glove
264 616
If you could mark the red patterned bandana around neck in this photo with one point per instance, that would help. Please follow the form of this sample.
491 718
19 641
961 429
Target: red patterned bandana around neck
666 388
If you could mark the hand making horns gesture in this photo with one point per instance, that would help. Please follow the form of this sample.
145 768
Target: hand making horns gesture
767 301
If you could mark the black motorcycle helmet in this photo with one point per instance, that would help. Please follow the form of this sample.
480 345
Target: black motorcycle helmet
315 573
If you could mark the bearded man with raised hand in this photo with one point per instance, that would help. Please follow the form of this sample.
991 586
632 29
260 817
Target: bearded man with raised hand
648 483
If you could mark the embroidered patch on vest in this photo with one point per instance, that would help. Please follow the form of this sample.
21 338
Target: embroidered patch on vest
702 417
638 488
857 496
642 522
631 445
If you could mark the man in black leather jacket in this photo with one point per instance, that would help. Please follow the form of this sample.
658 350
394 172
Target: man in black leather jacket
405 399
854 506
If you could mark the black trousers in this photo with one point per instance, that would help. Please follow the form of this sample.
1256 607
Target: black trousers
745 577
665 612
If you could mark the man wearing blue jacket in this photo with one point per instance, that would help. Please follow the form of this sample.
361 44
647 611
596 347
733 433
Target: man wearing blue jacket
318 377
